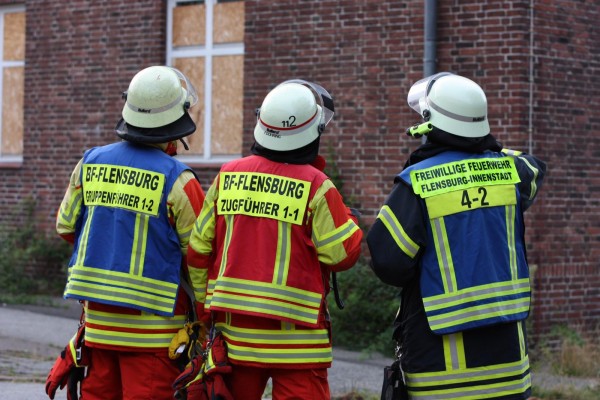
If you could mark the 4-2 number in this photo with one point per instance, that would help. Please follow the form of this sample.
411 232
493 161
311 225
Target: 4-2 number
467 201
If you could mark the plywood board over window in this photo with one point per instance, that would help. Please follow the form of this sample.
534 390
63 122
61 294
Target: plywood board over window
12 111
205 40
228 93
193 69
229 22
189 25
12 87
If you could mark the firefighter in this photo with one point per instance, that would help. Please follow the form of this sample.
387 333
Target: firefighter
451 235
271 230
129 210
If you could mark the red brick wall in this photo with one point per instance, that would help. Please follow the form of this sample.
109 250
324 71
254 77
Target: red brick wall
367 54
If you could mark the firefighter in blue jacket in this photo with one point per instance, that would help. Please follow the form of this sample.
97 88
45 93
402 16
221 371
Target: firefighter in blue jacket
451 235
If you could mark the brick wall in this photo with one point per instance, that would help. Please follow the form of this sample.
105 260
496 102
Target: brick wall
367 54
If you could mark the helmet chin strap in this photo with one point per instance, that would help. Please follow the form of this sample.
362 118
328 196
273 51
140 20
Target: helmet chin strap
185 145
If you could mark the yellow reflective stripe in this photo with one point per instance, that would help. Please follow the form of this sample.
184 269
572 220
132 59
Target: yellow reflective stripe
198 278
279 356
511 152
185 233
263 289
475 293
470 199
204 229
138 250
69 210
444 256
282 258
477 392
130 339
535 175
479 312
282 337
124 279
404 242
454 351
85 232
226 242
510 237
336 236
142 322
269 307
522 345
424 379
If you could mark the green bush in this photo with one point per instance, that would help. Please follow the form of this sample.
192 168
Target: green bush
21 248
365 323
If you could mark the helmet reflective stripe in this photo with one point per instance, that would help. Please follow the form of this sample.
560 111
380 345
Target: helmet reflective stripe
156 110
293 129
452 115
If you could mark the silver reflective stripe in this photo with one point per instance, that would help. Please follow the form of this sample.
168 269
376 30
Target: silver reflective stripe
103 292
72 206
465 297
535 175
314 300
444 253
201 224
267 306
469 374
228 233
282 355
94 335
478 392
510 233
282 258
82 248
157 109
139 243
341 234
125 281
452 342
452 115
140 322
495 308
302 336
400 235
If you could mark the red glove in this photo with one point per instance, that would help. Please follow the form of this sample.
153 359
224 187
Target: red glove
67 366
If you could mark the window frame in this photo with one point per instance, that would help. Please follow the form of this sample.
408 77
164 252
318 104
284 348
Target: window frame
8 160
208 51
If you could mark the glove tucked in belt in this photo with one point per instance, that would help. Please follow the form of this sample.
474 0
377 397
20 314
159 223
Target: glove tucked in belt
68 369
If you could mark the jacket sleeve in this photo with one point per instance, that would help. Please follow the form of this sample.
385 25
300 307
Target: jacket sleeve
184 203
71 206
531 171
200 249
335 231
397 237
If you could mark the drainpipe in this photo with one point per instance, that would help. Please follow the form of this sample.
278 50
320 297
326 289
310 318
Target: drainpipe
531 77
429 39
429 35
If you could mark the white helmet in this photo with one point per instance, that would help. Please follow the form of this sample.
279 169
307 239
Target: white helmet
158 97
452 103
290 117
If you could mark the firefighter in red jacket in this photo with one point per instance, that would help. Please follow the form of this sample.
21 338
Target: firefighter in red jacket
271 230
129 210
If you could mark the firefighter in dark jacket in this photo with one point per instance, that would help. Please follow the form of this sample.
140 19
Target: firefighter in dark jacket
451 235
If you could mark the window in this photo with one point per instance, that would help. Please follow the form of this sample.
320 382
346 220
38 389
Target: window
12 71
205 41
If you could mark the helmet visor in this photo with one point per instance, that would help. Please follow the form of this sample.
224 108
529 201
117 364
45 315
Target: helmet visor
192 96
417 95
325 99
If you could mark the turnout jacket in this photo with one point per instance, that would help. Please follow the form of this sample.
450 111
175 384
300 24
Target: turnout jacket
260 255
129 210
451 235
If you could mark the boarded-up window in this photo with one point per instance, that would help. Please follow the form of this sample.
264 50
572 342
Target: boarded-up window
205 40
12 23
